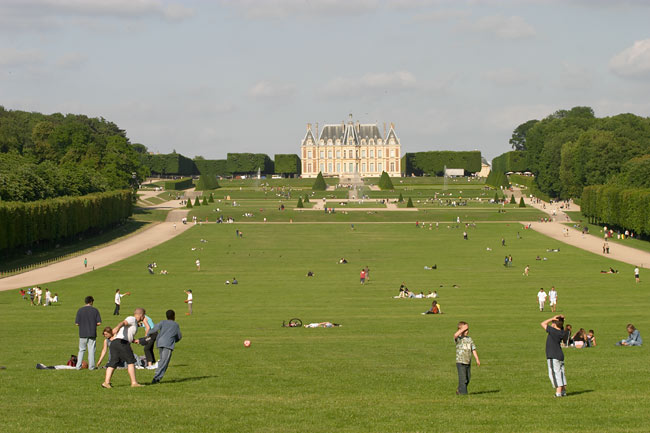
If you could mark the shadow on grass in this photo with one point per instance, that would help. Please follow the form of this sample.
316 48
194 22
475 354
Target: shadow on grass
584 391
188 379
489 391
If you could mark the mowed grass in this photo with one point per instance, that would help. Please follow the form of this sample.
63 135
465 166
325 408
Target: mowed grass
387 369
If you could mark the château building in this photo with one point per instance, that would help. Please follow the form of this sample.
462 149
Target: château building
353 149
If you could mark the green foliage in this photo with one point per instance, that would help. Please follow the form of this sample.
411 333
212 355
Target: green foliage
497 179
384 182
496 196
306 200
287 164
635 173
513 200
204 202
216 167
409 203
518 139
25 224
510 161
197 202
211 199
627 208
248 163
207 182
47 156
319 183
521 202
172 163
177 185
433 163
400 198
300 205
189 204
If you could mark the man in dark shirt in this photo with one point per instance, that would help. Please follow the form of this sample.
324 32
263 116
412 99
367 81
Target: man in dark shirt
88 319
554 327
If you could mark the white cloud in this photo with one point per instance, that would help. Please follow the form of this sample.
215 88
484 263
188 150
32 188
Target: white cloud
634 61
285 8
266 89
399 80
10 57
442 15
509 117
575 77
512 27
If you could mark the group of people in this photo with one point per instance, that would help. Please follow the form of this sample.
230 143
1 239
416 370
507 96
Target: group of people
552 298
35 296
118 340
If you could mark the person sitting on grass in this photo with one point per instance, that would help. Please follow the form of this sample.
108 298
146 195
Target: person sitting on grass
568 340
343 261
435 308
434 267
591 339
322 325
580 339
310 274
633 338
402 292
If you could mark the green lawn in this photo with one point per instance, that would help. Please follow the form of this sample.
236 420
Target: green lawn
388 369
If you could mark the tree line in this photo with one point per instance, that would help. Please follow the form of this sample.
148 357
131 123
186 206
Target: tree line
46 156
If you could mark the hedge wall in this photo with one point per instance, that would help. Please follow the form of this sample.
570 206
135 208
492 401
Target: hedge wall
180 184
287 164
24 224
497 179
207 182
217 167
510 161
249 163
172 163
434 162
627 208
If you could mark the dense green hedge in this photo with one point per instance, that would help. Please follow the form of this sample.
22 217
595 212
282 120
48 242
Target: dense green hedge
207 182
433 163
510 161
172 163
497 179
249 163
287 163
384 182
23 225
180 184
217 167
627 208
319 183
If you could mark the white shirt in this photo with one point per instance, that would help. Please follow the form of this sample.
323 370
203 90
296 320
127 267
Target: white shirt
541 296
189 298
636 271
118 298
553 295
128 332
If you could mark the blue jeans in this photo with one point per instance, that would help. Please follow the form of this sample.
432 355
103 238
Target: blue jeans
163 362
90 344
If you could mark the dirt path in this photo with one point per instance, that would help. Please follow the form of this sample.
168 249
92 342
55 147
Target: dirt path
574 237
135 244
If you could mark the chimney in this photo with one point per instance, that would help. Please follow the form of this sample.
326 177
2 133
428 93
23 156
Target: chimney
358 127
317 131
384 130
309 127
392 125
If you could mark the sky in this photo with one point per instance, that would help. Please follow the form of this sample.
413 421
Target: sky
211 77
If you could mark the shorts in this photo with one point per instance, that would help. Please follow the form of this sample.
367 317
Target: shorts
120 353
552 302
556 372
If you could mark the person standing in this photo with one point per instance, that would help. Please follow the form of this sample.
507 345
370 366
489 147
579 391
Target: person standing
367 273
541 297
189 301
198 264
169 333
526 270
120 348
118 301
88 319
39 293
636 275
362 276
552 296
554 354
85 262
465 348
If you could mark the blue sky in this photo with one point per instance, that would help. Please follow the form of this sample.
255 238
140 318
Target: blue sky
212 77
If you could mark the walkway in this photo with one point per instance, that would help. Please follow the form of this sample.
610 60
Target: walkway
591 243
130 246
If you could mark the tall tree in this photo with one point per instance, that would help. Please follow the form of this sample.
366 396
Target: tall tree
518 139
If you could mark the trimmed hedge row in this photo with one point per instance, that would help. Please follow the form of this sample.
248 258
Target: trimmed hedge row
217 167
433 163
287 163
172 163
207 182
515 160
617 206
178 185
249 163
25 224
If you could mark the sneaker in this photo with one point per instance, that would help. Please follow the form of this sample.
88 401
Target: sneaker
41 366
559 395
150 367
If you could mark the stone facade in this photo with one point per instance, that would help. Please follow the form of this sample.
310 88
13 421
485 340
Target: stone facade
343 150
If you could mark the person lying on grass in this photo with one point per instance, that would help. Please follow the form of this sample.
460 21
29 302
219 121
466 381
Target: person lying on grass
321 325
610 271
633 338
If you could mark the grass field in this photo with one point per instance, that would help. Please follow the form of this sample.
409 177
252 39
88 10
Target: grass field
387 369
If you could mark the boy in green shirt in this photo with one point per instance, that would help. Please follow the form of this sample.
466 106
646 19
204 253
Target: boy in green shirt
465 348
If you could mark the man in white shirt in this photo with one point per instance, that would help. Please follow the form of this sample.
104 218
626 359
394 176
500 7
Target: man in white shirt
118 301
189 301
552 298
38 292
541 297
636 275
120 349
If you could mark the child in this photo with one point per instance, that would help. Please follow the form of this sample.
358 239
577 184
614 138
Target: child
465 348
633 339
554 354
591 339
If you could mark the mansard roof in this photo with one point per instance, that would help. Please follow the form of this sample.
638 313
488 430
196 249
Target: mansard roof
358 132
309 135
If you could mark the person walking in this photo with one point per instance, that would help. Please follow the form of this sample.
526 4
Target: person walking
87 319
189 301
541 297
636 274
85 262
552 295
169 333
